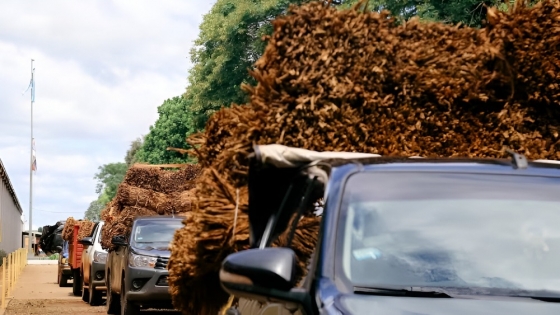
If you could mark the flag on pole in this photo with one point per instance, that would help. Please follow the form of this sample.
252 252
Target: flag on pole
31 86
34 162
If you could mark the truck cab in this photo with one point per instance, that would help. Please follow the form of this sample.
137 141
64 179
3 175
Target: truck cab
93 267
137 269
403 236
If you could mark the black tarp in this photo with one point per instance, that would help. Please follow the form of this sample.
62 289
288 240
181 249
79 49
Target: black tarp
51 238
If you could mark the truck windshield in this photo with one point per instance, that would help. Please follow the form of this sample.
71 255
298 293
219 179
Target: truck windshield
157 231
488 232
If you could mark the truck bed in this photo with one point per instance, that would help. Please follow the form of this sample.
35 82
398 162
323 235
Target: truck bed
75 250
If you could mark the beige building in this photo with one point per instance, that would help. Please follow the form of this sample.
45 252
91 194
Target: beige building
11 223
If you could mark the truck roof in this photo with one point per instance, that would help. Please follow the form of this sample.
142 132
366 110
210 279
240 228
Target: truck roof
160 217
495 166
285 158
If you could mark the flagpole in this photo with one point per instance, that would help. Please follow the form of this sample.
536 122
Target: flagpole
30 248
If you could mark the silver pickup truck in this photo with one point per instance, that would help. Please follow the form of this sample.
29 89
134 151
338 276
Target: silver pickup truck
137 269
93 267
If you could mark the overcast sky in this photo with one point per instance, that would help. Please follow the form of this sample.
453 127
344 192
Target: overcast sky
101 70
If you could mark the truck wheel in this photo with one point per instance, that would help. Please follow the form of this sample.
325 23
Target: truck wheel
127 308
95 296
113 306
77 282
85 291
62 280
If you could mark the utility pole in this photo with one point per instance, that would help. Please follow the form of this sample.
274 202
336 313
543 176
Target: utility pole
32 84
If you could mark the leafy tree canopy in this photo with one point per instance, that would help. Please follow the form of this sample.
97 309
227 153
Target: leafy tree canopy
229 43
109 177
170 130
130 157
93 213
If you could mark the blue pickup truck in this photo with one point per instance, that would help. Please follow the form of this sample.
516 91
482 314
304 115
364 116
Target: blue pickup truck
402 235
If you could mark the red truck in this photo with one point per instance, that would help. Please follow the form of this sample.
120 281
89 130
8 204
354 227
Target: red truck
75 251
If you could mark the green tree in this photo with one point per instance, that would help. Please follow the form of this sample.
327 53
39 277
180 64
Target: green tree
109 177
229 43
93 212
175 122
130 157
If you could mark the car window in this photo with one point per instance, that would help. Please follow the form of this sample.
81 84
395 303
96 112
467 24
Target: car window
156 231
444 230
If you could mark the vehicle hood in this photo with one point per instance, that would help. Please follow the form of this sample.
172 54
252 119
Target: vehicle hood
152 249
358 304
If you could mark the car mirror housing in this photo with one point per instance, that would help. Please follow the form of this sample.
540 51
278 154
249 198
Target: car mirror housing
269 267
86 241
119 240
266 275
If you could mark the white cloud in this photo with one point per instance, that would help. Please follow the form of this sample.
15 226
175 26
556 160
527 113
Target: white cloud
102 68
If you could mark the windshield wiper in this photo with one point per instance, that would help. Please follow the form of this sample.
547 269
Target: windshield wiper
551 299
403 291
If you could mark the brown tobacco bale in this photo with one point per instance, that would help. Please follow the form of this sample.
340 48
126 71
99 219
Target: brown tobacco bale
182 201
147 192
110 210
68 231
141 177
334 80
133 196
163 181
106 235
86 227
181 180
529 37
219 210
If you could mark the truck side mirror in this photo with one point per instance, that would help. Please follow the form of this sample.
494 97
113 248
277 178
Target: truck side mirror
266 275
86 241
119 240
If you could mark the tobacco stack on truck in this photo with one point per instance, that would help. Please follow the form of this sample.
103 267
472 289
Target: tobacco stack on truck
347 80
152 201
74 231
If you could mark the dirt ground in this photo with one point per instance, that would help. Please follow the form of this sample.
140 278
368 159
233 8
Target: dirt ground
36 292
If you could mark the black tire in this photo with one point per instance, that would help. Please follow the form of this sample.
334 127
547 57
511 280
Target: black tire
113 305
62 280
127 308
85 291
76 283
95 296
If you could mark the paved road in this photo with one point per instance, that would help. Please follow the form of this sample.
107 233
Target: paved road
36 292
